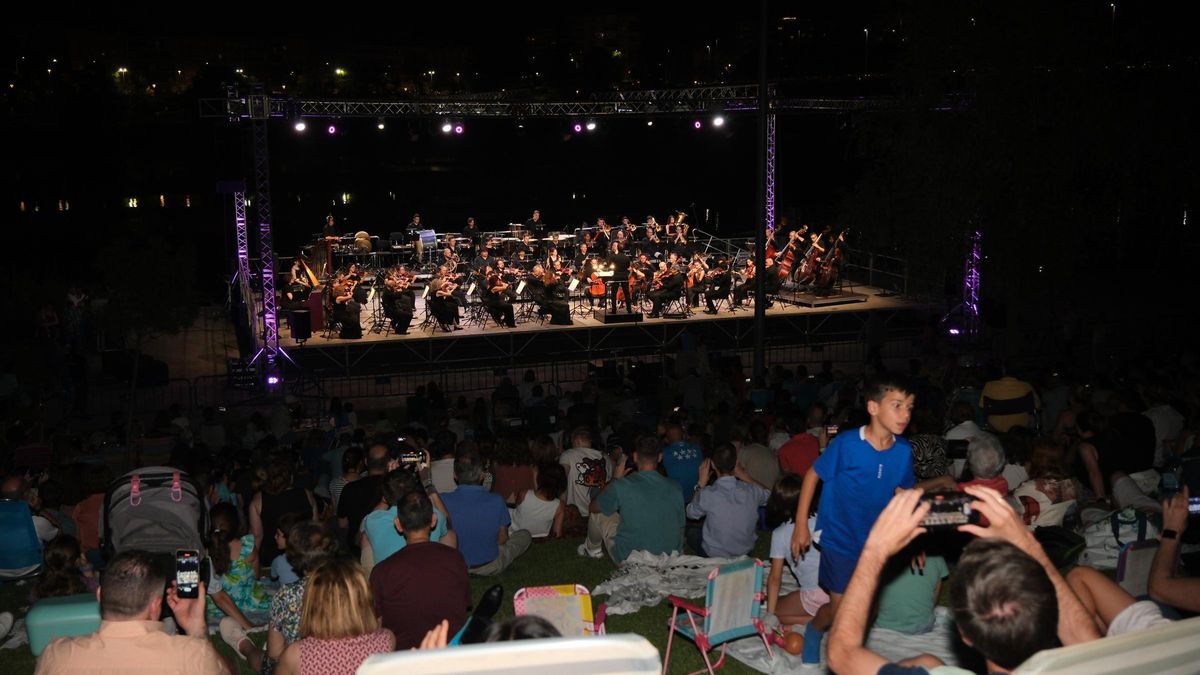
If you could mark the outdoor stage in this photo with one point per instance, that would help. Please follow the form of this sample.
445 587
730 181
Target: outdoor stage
862 314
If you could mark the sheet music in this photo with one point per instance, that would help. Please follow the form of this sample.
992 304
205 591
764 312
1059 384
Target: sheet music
425 293
471 288
573 285
521 287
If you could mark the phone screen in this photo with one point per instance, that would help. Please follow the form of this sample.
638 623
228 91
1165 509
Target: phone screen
187 573
1194 506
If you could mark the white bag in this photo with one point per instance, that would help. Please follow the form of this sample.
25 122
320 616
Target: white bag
1107 536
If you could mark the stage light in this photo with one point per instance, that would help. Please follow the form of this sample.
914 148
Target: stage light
272 380
379 125
591 126
332 130
954 331
447 128
300 125
458 128
649 123
718 121
697 124
578 128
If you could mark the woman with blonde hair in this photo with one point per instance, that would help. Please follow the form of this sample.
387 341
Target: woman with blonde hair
338 626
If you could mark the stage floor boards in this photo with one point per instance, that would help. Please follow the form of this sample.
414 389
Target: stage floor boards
857 299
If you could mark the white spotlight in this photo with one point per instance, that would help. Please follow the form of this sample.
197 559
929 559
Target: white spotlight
591 126
447 128
379 125
649 123
300 126
718 121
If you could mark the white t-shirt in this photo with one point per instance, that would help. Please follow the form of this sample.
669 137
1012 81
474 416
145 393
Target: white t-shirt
964 432
441 471
587 471
804 570
534 515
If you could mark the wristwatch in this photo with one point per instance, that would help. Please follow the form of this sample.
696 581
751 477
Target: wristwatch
1170 534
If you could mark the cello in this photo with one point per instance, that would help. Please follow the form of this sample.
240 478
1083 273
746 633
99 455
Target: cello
789 255
831 266
810 261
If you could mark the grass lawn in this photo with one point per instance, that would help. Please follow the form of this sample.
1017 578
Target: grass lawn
554 562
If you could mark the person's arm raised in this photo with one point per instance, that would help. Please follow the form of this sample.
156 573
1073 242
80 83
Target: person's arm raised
1075 624
1165 586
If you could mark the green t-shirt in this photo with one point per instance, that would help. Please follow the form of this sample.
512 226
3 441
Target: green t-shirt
651 508
907 600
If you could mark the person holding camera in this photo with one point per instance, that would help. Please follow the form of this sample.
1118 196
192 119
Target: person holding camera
131 637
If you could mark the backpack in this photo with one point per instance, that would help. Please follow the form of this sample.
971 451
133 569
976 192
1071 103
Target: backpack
155 508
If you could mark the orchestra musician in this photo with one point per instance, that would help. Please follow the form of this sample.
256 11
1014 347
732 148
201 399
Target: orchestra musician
495 297
522 262
347 310
413 227
694 284
483 260
741 290
442 303
527 244
603 236
470 231
330 236
399 301
619 262
535 225
719 283
667 284
543 285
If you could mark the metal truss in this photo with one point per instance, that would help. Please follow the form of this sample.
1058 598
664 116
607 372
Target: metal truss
243 261
262 202
769 207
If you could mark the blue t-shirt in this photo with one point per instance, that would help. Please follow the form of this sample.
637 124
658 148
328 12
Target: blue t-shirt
682 461
380 527
859 483
478 516
282 570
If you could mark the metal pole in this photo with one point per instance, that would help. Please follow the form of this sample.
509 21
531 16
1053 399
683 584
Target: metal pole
760 244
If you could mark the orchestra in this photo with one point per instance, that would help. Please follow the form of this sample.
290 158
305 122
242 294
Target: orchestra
548 274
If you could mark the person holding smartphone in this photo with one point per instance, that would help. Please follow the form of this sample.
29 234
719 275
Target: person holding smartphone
131 601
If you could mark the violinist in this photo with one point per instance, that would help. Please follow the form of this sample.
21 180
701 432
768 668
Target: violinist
398 299
719 282
694 284
442 303
667 285
495 297
740 291
619 262
346 310
542 290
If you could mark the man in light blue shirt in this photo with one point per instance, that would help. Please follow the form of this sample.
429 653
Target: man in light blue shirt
729 507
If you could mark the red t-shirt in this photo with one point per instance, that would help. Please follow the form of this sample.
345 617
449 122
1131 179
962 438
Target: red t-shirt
418 586
798 454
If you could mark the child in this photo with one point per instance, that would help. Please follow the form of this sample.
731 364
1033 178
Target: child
800 606
281 568
234 558
65 570
861 469
541 511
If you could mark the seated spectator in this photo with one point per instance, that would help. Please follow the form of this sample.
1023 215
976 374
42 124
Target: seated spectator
912 583
640 511
1009 402
1008 599
754 455
541 511
800 606
1167 585
131 637
1048 485
65 570
281 568
801 449
442 467
681 460
1114 610
279 495
512 468
51 494
234 558
423 583
378 528
962 420
985 464
360 497
17 488
587 469
482 521
352 466
729 507
308 546
338 626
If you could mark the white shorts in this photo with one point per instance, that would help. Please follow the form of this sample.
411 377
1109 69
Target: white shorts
1138 616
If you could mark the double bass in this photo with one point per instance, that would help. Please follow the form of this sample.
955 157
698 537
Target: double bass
789 255
809 263
831 265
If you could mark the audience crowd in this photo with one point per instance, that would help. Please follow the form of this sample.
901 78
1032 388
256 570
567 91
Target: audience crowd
348 531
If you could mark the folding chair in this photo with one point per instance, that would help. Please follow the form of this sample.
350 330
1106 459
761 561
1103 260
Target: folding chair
21 554
731 611
568 607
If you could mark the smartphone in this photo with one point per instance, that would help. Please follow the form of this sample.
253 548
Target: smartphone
831 429
949 510
1194 506
411 458
187 573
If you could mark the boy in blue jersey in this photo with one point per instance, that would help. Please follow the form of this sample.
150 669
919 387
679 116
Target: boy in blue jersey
861 470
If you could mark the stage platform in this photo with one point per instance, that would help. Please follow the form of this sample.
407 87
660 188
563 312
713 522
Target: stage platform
791 320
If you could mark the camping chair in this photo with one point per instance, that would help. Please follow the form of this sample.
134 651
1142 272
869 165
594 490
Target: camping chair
21 554
568 607
731 611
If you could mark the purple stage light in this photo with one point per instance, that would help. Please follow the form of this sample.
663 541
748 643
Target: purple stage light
458 129
578 128
697 124
332 129
272 380
955 331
